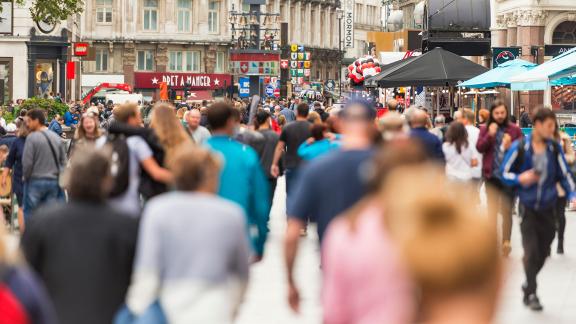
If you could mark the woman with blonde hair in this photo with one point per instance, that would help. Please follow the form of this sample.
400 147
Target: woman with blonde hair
314 118
168 130
450 250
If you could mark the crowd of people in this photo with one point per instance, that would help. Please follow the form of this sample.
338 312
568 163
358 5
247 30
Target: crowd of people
155 213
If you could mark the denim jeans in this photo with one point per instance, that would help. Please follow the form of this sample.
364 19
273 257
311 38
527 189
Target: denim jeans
39 191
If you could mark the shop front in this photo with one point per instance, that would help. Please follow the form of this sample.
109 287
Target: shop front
198 85
47 56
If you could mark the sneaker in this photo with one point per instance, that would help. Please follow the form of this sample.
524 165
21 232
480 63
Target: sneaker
506 248
534 303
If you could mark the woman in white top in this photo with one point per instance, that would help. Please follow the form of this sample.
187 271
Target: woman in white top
459 154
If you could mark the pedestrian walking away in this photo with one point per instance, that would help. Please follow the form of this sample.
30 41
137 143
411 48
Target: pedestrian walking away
241 169
292 136
535 166
175 274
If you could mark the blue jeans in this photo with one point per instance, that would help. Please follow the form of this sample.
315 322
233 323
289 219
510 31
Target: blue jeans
38 192
152 315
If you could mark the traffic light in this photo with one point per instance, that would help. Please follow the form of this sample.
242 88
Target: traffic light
187 90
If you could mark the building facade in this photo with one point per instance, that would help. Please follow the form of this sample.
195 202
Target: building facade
33 55
541 29
142 42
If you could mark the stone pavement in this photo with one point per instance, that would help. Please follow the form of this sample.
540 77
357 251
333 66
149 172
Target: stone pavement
266 299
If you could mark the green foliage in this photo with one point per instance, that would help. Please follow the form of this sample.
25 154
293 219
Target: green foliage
52 106
52 11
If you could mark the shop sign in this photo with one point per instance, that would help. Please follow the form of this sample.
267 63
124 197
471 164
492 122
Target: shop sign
501 55
152 80
555 50
348 23
244 87
81 49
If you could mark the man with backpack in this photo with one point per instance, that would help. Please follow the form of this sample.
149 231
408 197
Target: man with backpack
43 161
130 155
535 166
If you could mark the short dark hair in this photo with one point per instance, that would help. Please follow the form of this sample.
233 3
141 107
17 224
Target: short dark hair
317 131
303 110
261 117
542 114
37 114
219 114
23 112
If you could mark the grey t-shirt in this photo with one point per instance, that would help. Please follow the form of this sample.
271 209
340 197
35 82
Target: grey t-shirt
200 135
129 202
38 160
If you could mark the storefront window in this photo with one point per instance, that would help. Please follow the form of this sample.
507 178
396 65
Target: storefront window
44 78
5 81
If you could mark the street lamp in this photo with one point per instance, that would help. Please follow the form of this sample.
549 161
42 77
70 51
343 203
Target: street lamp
340 16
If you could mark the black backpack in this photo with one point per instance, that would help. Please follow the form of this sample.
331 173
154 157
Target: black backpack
119 164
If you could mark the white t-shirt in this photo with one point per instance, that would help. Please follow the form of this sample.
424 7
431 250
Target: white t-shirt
458 166
473 134
129 202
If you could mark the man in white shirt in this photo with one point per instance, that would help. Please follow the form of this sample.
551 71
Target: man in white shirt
198 132
466 116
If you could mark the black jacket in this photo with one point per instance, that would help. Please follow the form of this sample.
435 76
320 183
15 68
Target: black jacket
84 253
148 186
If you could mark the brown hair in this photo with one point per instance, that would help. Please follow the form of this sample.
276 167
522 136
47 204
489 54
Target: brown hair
125 111
168 128
314 117
195 168
468 114
457 135
88 178
81 132
448 246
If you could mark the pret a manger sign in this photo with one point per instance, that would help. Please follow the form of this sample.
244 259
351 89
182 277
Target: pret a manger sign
348 23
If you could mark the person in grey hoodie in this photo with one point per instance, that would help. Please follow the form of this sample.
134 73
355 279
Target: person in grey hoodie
43 160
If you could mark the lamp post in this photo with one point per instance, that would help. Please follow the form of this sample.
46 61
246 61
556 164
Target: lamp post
340 16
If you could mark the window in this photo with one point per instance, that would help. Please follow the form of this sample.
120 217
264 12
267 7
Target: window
213 19
150 14
145 61
184 14
184 61
219 62
104 11
101 60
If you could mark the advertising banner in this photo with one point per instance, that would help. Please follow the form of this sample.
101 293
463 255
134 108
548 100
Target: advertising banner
348 6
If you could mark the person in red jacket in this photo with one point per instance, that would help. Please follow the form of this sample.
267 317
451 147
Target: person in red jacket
495 139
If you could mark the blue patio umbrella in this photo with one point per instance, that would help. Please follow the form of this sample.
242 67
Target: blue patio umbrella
500 76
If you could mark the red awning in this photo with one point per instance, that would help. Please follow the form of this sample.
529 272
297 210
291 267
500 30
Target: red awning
200 95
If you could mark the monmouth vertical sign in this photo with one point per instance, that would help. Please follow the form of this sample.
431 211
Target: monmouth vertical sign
348 23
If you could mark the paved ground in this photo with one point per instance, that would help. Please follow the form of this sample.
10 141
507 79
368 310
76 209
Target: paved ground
266 302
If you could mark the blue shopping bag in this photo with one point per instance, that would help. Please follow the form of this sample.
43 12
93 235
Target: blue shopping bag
153 315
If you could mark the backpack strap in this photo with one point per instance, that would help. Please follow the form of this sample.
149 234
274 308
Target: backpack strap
54 155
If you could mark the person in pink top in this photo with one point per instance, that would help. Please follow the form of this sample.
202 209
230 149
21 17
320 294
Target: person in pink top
365 281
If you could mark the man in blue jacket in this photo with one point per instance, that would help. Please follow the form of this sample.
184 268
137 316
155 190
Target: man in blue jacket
242 179
431 143
535 166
